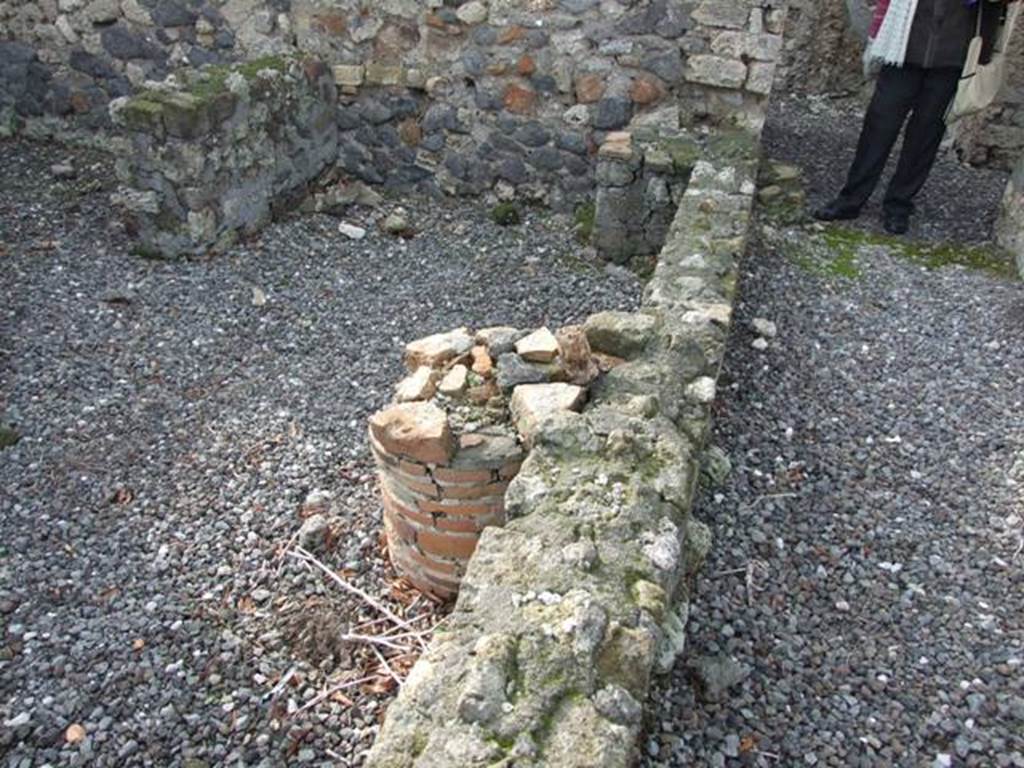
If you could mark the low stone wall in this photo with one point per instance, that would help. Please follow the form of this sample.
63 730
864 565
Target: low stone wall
566 612
1010 227
212 156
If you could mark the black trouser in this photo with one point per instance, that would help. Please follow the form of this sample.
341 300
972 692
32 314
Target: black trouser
924 94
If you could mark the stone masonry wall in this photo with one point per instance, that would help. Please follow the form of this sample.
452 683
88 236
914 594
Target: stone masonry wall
214 156
460 97
567 611
641 179
1010 227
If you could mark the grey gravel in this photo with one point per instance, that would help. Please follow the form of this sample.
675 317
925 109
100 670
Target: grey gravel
172 427
867 561
819 134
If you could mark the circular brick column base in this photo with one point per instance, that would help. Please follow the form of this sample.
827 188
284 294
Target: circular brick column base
439 493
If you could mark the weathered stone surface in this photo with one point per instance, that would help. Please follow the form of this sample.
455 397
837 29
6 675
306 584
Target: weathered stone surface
436 350
1010 227
622 334
532 586
454 382
419 385
194 150
417 430
513 371
575 355
532 403
717 71
499 339
541 346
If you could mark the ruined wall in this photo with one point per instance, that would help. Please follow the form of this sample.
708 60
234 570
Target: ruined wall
513 95
1010 227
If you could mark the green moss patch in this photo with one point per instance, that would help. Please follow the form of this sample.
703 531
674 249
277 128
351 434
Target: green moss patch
506 214
846 242
584 217
8 437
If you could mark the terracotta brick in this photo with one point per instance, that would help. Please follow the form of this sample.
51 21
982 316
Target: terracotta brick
470 524
589 89
464 476
465 508
454 545
420 487
645 90
330 23
526 66
519 99
416 430
511 35
436 564
442 587
379 453
491 490
424 519
412 468
460 524
397 527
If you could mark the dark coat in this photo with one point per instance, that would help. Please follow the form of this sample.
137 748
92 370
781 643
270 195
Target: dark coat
943 29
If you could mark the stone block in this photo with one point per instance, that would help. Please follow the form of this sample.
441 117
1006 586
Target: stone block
418 431
436 350
541 346
532 403
716 71
349 74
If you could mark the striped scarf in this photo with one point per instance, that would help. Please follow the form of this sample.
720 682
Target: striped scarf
890 44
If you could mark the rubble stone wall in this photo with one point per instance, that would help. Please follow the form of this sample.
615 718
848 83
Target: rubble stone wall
216 156
461 97
566 612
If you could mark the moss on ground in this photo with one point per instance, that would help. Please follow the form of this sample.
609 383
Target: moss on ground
584 217
845 243
506 214
8 437
842 247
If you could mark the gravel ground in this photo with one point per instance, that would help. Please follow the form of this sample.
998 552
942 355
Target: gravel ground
173 423
867 577
820 135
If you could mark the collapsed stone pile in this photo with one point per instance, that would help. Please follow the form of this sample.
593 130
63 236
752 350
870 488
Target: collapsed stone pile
458 432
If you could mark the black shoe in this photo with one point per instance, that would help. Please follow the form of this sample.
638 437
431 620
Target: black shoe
835 211
896 223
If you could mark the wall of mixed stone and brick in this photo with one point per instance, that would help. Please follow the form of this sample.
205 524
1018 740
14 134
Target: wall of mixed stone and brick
460 97
566 612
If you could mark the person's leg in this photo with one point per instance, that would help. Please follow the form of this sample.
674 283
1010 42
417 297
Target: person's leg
895 94
921 142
